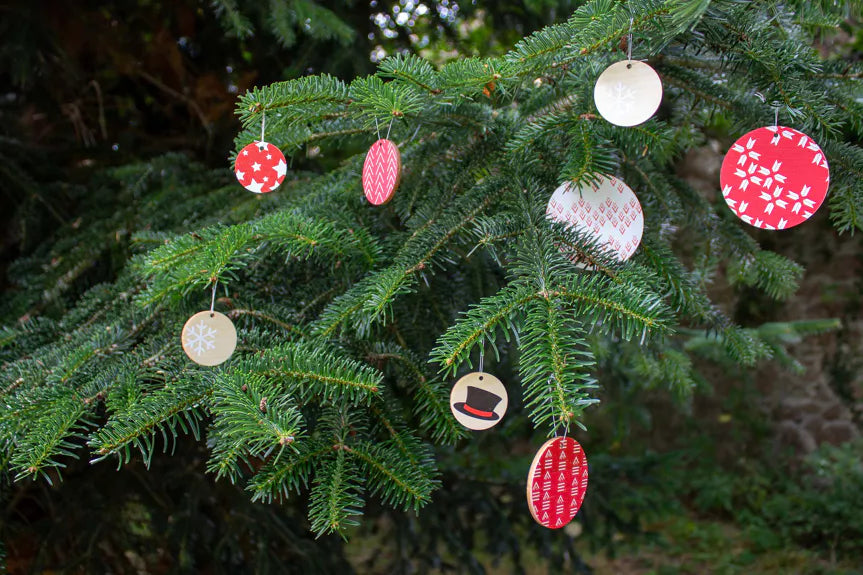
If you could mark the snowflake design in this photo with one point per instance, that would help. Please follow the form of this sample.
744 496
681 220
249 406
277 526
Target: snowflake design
623 96
200 337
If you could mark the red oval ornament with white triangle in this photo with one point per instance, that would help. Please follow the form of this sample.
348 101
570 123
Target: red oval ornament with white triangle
774 178
382 172
557 482
260 167
606 209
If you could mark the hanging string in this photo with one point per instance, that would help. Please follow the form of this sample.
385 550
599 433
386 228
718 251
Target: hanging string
482 358
566 427
629 41
390 128
776 135
557 422
551 408
377 128
775 106
213 299
417 131
263 125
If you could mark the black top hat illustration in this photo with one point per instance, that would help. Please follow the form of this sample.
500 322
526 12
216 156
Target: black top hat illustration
479 404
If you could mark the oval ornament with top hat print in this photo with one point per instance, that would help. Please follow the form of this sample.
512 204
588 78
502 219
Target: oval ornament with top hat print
478 400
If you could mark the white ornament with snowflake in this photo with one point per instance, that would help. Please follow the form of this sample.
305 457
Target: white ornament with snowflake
209 338
628 93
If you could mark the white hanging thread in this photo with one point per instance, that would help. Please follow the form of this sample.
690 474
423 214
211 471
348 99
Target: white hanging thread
377 128
390 128
775 106
213 299
629 41
481 359
263 124
555 422
551 408
566 428
417 131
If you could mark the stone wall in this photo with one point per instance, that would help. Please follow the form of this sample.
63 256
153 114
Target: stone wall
824 404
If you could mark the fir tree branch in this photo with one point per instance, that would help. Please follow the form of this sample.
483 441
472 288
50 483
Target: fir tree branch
554 366
249 411
310 370
396 481
277 479
162 411
336 498
51 436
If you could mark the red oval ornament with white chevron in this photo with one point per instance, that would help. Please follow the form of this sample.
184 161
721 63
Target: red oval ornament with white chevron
260 167
774 178
382 172
557 482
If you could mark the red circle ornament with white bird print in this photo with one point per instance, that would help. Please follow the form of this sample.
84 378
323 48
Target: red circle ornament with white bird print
606 209
557 482
774 178
260 167
382 172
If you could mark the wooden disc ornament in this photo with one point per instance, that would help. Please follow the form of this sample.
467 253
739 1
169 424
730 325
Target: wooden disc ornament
382 172
209 338
606 209
628 93
774 178
260 167
557 482
478 400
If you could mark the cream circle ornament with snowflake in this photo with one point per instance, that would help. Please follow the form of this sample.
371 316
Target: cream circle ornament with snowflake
774 178
209 338
628 93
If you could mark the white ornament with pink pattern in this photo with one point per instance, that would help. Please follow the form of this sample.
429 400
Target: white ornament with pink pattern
607 210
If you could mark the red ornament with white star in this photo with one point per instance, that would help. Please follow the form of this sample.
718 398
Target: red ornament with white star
557 482
260 167
774 178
